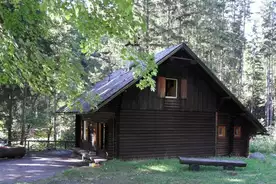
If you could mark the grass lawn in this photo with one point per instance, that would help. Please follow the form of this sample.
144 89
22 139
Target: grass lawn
167 171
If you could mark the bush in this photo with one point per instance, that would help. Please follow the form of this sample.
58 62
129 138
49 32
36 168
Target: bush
264 143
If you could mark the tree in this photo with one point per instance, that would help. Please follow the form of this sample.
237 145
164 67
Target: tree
255 75
31 33
269 50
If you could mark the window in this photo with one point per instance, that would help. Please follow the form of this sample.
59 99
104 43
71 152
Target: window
171 88
221 131
237 131
168 88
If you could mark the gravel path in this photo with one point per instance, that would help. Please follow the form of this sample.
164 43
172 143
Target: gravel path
36 166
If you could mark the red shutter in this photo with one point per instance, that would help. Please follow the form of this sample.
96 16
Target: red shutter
183 88
161 85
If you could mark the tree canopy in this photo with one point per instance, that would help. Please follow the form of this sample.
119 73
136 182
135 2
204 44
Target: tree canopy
52 50
43 43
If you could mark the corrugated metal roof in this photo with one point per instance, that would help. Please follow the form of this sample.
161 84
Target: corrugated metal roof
113 83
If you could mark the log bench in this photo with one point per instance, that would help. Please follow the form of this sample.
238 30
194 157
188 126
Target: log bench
12 152
194 163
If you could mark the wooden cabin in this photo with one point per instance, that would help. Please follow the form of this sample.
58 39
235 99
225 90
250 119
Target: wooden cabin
191 113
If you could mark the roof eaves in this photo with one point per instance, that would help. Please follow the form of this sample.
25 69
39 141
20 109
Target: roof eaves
231 95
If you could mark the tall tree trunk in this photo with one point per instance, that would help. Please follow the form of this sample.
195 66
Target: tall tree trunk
49 135
146 11
55 119
23 116
10 119
269 111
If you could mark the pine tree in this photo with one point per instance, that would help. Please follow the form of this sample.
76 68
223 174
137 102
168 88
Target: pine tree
269 53
255 75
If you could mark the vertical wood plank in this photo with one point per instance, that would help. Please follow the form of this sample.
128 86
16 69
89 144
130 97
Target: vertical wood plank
184 88
195 94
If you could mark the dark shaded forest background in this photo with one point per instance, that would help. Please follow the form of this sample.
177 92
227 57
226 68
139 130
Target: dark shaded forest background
238 47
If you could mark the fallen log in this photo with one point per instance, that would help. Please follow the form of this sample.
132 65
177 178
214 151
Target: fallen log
12 152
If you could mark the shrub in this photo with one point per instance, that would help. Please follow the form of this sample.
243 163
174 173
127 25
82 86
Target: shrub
264 143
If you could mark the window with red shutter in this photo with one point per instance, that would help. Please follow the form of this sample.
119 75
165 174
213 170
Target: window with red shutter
167 87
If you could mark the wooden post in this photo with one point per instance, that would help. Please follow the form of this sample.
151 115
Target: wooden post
77 130
28 145
113 136
216 132
231 136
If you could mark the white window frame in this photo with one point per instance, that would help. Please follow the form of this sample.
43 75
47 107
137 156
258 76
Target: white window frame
176 83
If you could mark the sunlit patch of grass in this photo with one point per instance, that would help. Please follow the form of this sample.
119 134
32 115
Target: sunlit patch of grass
160 168
235 180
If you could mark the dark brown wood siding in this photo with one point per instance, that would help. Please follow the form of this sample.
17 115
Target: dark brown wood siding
151 126
110 139
148 125
241 145
146 133
200 96
222 147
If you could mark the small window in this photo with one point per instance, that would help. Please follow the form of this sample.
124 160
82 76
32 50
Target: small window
237 131
171 88
221 131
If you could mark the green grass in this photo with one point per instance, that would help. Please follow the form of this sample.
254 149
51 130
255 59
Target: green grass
167 171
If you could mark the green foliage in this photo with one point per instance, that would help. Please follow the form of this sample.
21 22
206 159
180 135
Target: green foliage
255 75
2 130
264 143
144 66
68 135
39 49
219 32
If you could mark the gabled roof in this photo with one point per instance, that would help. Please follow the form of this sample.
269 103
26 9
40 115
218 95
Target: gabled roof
115 83
120 80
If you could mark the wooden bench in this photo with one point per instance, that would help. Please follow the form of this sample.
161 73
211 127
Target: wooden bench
194 163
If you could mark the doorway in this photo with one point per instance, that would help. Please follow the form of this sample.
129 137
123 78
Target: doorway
97 134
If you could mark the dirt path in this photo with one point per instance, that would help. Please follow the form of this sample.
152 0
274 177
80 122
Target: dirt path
37 166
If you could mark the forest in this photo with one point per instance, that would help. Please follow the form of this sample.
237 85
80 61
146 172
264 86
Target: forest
52 51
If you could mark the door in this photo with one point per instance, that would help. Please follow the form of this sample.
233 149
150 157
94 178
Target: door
97 135
93 136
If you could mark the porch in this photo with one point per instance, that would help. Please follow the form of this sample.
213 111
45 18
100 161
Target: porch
94 135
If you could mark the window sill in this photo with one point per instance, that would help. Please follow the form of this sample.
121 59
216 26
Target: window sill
171 97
